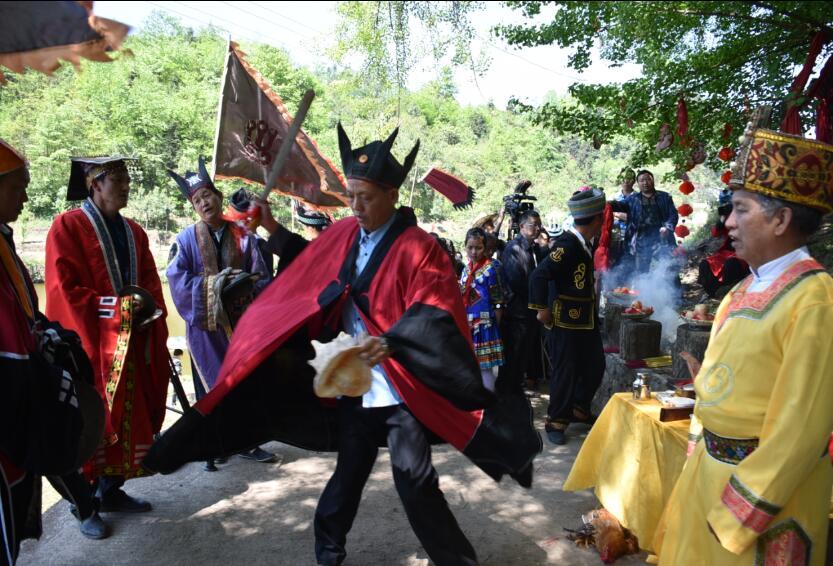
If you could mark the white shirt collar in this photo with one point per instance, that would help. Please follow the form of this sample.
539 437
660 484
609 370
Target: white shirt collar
772 270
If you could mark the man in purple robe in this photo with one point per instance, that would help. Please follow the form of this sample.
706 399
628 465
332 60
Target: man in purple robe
210 258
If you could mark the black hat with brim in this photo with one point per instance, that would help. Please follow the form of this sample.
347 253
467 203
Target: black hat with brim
85 169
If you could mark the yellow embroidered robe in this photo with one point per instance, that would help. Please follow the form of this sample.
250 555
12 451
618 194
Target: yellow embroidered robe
767 374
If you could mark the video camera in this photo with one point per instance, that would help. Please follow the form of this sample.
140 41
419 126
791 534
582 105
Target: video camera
516 204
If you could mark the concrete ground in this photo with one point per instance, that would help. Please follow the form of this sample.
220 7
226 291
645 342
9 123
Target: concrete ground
252 513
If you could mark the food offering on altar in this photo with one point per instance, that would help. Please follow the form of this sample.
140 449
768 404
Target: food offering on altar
700 316
637 311
623 293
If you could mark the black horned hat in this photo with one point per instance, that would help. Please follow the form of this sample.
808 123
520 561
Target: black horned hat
374 161
192 182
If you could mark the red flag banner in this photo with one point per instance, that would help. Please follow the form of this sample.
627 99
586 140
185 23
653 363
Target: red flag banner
253 123
452 188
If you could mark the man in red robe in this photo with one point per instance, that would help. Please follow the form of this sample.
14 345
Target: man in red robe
92 255
376 272
40 417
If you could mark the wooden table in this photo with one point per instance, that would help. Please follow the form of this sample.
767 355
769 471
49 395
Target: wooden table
633 461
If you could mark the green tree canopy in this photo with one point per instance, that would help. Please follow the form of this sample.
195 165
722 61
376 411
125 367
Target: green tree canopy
160 104
722 58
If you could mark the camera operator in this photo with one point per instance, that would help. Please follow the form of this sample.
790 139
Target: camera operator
520 330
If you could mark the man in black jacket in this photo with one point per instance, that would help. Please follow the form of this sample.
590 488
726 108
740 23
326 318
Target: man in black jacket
519 330
578 361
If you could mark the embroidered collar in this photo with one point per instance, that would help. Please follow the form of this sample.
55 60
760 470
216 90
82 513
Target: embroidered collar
766 274
108 249
756 305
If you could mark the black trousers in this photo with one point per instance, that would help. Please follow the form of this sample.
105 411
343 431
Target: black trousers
360 433
578 365
75 489
518 335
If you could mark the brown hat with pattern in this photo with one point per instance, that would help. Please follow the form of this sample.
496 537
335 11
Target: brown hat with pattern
784 166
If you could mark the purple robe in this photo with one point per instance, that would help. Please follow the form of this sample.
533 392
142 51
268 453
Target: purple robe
192 274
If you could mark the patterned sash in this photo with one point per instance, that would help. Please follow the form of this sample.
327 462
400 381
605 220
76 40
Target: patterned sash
230 256
124 305
109 250
229 249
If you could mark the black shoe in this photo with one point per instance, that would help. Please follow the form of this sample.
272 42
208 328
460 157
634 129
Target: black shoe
260 455
117 501
524 477
209 465
557 436
94 527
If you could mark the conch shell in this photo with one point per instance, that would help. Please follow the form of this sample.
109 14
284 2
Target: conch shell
339 369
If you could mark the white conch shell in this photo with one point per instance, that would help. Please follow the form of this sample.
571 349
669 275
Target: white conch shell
338 368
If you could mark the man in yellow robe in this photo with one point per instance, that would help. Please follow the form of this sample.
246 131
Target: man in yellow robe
756 488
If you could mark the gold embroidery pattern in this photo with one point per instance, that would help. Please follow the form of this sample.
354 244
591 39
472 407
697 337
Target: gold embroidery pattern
119 356
579 275
714 385
557 254
574 313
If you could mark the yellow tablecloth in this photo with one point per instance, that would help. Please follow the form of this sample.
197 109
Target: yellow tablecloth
633 461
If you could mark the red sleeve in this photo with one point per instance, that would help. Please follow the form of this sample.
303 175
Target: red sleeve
69 302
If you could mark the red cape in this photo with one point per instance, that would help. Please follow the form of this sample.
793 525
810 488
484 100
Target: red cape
408 293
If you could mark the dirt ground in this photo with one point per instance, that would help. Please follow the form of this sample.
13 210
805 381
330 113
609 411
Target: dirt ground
252 513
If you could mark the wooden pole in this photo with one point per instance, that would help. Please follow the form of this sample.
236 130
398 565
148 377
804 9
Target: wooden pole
286 146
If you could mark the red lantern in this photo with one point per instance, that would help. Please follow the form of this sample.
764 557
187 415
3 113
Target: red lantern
681 231
685 209
726 176
686 187
726 154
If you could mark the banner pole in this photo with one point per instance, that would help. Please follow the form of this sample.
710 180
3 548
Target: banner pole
286 146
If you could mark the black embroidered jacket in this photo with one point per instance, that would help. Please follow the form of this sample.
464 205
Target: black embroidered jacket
566 278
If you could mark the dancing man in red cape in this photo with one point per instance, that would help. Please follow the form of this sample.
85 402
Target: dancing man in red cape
379 273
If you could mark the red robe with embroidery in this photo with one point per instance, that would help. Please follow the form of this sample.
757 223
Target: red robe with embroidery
131 367
407 293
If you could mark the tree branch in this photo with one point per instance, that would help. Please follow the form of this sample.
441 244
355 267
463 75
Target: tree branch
733 15
815 24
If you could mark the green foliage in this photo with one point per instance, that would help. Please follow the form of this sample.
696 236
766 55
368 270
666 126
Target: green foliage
160 105
721 57
389 38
